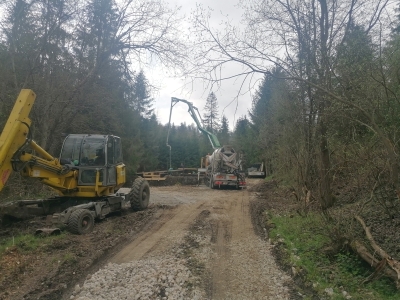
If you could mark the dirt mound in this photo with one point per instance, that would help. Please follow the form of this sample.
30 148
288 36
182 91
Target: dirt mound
261 186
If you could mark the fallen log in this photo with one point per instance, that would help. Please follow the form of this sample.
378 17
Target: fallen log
380 266
374 245
385 265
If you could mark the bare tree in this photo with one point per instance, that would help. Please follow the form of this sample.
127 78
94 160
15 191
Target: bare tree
301 38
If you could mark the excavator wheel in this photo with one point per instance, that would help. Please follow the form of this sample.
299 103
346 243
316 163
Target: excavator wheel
81 221
139 195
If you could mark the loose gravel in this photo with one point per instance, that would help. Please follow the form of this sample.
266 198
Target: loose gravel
155 278
256 276
169 278
252 270
248 262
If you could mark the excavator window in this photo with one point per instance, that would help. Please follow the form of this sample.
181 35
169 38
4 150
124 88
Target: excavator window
100 159
110 151
70 151
92 152
114 153
84 150
118 150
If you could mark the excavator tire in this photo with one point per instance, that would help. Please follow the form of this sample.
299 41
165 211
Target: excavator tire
139 196
81 221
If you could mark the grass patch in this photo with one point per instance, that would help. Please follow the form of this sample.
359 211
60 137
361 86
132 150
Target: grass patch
340 276
269 178
27 242
69 258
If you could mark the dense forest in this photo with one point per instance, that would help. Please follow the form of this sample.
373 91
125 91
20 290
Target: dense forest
324 118
83 60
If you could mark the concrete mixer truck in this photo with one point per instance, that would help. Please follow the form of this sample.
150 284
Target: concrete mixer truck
224 166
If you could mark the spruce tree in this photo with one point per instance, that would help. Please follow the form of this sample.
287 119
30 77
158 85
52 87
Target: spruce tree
211 120
224 131
142 100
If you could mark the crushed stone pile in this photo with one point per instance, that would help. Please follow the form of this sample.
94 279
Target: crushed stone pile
154 278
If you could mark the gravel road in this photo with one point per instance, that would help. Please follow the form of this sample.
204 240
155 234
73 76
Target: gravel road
202 246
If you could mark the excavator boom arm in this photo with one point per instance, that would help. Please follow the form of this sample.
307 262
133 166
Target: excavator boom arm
15 137
15 133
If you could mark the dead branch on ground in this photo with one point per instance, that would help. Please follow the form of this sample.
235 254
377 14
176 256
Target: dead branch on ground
386 265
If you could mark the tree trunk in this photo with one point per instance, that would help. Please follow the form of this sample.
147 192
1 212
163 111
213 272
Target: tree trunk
327 199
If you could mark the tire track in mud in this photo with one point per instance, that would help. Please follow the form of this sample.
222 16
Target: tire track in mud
170 228
225 211
214 232
126 255
223 218
220 276
157 237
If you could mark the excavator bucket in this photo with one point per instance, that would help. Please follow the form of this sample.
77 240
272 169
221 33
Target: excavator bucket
48 230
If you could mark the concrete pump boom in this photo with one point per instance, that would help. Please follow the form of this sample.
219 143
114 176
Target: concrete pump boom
223 167
195 114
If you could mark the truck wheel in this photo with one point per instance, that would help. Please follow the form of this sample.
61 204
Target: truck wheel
139 196
81 221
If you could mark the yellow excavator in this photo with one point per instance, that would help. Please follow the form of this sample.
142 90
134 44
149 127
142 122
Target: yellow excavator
86 176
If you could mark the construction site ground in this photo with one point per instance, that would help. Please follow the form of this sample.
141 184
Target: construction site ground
229 220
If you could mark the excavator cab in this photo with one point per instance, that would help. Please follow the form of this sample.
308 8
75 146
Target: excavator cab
90 153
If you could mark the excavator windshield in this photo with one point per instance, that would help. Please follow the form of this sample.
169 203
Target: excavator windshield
92 153
91 150
84 150
71 150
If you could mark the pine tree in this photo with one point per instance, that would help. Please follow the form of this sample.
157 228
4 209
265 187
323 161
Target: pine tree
142 101
211 113
149 135
243 139
224 131
260 102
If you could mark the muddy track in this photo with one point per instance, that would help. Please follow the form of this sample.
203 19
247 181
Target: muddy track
219 236
221 217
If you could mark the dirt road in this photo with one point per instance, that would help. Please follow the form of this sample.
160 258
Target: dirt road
212 232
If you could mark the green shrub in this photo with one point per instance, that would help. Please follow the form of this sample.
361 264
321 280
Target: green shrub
304 238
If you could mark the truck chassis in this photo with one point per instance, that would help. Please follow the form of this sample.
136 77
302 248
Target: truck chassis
77 214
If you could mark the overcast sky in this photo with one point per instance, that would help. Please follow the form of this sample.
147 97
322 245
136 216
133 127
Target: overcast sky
169 87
